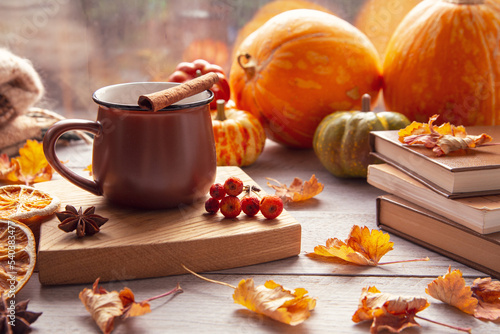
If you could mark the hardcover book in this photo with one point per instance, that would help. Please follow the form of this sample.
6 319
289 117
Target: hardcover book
466 173
480 213
437 233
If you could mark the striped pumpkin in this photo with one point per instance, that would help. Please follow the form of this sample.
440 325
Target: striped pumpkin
342 139
239 136
443 59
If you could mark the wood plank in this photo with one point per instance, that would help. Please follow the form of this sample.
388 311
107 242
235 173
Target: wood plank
318 226
151 243
209 308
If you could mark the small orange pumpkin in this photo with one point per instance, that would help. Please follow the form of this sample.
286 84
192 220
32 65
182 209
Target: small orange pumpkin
239 136
443 59
300 66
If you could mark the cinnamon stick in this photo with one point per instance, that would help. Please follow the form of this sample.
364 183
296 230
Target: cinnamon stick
159 100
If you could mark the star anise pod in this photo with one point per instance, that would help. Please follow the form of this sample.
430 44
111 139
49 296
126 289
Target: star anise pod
86 223
15 318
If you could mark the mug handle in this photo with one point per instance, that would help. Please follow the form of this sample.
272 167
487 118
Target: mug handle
49 149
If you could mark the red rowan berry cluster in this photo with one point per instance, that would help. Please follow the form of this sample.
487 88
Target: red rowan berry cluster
225 197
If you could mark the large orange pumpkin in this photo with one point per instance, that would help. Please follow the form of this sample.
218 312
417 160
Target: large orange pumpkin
444 59
378 19
270 10
300 66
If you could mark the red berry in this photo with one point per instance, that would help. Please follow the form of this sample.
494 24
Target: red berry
212 205
217 191
230 206
250 205
233 186
271 206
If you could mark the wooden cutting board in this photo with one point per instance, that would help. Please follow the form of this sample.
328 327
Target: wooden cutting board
138 244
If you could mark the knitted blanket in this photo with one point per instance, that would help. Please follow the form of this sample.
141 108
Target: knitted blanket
20 86
20 89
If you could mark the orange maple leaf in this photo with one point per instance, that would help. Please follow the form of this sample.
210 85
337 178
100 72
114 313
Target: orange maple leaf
29 167
298 190
387 311
481 300
452 290
441 139
363 247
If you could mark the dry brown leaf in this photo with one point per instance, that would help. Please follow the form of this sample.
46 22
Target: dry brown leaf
363 247
387 311
297 191
104 306
481 300
274 301
487 293
441 139
271 299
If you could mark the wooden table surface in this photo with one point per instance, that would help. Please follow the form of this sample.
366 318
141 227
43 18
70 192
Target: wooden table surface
205 307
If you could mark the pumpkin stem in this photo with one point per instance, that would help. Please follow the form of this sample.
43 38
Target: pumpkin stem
365 102
249 66
198 73
221 110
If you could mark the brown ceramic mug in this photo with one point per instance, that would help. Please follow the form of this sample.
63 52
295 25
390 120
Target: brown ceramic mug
142 158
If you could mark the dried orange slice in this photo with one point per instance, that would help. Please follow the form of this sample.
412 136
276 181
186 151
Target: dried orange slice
17 256
26 204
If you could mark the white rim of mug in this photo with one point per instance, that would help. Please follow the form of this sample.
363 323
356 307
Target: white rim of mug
136 107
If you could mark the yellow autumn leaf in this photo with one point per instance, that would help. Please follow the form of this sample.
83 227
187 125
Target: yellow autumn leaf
417 128
362 247
441 139
31 166
274 301
298 190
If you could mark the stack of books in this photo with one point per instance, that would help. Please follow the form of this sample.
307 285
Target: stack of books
449 204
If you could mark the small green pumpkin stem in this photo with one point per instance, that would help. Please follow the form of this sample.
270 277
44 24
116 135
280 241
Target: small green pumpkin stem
365 102
221 110
249 66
